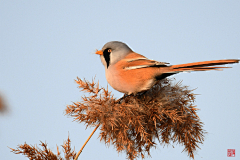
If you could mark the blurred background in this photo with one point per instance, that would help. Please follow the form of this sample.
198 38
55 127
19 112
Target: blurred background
45 45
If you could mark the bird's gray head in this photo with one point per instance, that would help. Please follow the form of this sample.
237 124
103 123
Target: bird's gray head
113 52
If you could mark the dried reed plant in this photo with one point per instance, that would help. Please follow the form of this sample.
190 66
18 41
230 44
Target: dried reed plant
35 153
133 123
3 107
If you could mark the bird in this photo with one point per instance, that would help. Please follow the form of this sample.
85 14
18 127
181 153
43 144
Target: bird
130 73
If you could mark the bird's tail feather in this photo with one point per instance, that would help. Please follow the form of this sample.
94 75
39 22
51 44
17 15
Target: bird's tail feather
201 66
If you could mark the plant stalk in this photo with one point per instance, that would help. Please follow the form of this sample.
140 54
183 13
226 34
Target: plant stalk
86 142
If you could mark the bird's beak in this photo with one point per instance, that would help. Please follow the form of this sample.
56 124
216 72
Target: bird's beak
99 52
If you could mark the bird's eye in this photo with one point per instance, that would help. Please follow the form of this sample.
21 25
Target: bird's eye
109 50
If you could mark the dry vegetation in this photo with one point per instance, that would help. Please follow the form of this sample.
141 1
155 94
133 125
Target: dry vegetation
133 124
3 107
35 153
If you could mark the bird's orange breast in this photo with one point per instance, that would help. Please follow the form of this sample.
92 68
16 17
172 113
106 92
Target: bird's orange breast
130 81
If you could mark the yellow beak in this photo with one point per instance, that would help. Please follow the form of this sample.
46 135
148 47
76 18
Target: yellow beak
99 52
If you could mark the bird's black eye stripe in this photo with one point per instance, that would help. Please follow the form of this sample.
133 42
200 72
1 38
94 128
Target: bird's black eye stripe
106 54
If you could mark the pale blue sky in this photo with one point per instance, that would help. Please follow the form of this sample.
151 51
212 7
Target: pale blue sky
45 45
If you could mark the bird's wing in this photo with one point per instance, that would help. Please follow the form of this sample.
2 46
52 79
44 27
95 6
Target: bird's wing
137 61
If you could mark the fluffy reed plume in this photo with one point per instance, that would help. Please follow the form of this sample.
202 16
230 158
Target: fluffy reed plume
35 153
133 124
3 107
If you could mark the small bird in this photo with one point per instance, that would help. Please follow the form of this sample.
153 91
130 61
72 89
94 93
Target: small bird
129 72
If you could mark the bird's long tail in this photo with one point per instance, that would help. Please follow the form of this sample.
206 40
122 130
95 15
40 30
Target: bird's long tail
201 66
196 66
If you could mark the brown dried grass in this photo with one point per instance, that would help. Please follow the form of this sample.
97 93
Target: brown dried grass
132 124
3 107
35 153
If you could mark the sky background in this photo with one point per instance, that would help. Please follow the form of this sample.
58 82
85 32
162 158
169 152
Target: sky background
45 45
